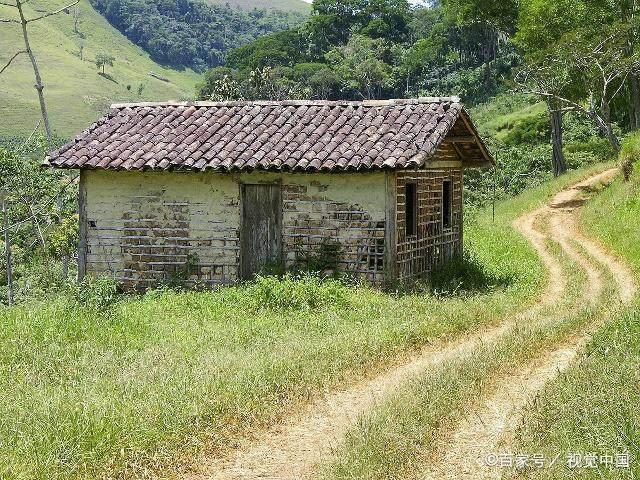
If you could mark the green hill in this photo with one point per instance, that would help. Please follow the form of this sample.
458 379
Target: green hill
75 93
284 5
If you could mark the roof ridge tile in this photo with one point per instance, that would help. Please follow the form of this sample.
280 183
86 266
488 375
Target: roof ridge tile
290 103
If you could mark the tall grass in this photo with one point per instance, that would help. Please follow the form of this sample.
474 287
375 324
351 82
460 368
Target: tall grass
145 382
592 408
629 154
92 388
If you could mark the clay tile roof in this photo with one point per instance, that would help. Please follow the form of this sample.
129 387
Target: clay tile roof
289 135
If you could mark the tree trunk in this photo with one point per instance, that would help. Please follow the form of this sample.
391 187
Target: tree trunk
65 267
7 248
36 223
559 162
604 123
634 104
38 86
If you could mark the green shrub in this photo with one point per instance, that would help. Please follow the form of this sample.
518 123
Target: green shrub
629 154
597 145
95 293
529 130
325 261
292 292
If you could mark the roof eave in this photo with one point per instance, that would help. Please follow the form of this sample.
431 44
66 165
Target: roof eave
488 159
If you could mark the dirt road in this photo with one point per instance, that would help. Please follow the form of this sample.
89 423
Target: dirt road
490 427
292 450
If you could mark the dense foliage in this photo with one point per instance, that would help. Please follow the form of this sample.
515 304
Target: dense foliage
369 49
190 33
41 208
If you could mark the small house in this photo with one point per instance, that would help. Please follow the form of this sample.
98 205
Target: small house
215 193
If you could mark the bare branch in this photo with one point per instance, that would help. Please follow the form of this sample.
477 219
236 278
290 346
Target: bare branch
53 13
36 72
571 105
11 60
8 4
621 86
8 20
28 140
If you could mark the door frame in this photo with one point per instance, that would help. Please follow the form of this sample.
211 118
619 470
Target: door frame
241 229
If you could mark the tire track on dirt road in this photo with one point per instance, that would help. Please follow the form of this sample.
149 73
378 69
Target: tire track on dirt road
292 450
490 427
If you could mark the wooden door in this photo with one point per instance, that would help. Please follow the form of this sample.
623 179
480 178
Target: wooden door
261 231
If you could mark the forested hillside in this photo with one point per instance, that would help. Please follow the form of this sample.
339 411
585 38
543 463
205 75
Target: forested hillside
284 5
191 33
369 49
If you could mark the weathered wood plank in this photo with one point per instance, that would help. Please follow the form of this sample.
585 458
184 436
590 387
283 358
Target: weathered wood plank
261 230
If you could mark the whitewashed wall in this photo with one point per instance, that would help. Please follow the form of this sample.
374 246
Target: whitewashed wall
143 228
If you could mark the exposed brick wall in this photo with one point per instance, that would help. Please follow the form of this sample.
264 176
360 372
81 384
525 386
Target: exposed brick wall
312 218
148 228
419 254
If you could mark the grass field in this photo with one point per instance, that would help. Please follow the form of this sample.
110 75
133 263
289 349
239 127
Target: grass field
150 381
498 117
593 408
76 95
151 378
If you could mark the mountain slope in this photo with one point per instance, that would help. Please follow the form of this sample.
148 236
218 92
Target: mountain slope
75 93
284 5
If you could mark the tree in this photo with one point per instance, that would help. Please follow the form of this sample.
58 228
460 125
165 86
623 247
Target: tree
223 84
540 26
484 27
334 21
76 19
24 23
502 16
361 67
319 77
220 83
104 59
62 241
284 48
623 12
597 69
541 76
39 199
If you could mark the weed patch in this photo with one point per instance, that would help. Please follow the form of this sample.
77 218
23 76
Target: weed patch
292 292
